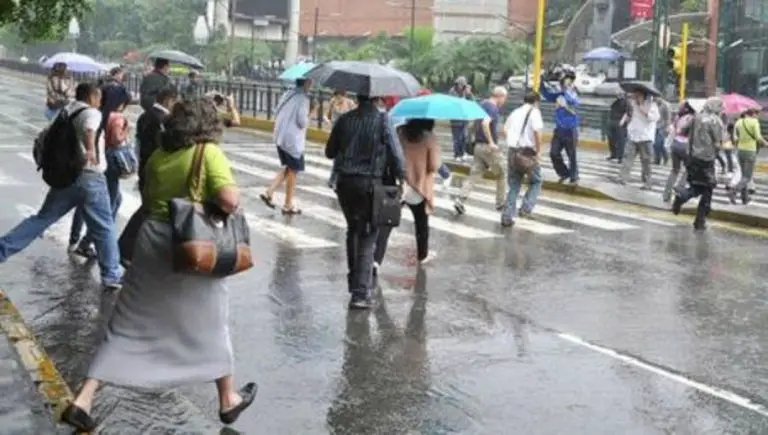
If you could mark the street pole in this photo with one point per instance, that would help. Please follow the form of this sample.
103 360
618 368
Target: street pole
253 42
412 41
528 40
539 43
684 61
655 40
231 53
725 29
314 35
665 45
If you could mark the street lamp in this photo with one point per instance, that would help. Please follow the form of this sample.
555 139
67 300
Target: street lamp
74 32
200 32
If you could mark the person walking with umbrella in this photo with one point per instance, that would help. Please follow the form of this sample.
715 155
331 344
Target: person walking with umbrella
747 130
641 133
291 122
706 137
153 83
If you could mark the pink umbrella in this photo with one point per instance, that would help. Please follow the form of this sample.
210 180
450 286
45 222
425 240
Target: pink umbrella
737 103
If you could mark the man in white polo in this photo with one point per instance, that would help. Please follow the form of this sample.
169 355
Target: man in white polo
523 132
641 132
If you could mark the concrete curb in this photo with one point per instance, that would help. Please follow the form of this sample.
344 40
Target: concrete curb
53 389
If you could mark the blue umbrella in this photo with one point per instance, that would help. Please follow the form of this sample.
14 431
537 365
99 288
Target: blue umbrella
603 53
438 106
296 71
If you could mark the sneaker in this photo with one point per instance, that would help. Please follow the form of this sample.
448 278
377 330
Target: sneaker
525 214
112 285
360 302
83 251
431 255
459 207
677 205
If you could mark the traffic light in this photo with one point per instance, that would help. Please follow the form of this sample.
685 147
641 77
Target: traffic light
675 59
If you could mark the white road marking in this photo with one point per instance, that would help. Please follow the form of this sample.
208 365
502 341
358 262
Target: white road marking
523 224
434 221
482 197
717 392
287 234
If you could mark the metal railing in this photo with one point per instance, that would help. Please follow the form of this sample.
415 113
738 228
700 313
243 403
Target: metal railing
259 98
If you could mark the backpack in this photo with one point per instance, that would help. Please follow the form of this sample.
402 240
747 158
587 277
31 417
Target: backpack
58 153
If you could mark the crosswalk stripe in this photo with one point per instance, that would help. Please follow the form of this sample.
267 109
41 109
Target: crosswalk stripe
330 217
438 223
435 222
480 213
285 233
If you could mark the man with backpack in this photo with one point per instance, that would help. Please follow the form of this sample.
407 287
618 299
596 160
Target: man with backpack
72 162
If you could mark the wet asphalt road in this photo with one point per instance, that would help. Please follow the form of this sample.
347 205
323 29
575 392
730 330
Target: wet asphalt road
650 329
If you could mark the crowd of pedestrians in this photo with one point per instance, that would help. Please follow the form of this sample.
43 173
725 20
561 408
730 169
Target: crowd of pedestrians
168 327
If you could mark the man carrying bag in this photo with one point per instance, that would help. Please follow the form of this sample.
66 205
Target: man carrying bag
523 131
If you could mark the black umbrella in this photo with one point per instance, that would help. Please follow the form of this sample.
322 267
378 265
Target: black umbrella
364 78
636 85
175 56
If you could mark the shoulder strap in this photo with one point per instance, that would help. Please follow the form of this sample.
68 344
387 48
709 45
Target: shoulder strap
195 176
525 124
381 130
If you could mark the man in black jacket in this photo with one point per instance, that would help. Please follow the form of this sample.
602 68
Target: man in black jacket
154 82
150 126
617 133
364 150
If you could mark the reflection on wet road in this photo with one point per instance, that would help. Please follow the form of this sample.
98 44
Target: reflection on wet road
639 328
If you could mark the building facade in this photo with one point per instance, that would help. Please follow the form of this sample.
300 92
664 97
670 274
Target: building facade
335 19
466 18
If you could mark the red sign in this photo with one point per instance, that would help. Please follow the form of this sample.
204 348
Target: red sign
641 9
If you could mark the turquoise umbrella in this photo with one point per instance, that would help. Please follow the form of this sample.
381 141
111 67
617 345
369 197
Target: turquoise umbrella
438 106
296 71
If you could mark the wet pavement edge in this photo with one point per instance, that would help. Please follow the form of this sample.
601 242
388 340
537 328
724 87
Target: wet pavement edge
48 382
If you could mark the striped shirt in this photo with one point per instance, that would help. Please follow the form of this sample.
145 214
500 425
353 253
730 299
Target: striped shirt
359 147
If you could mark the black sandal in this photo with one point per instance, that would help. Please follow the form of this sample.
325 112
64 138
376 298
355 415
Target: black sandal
267 201
291 211
247 393
76 417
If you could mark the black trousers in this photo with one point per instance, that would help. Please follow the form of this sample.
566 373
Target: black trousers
421 228
355 196
617 139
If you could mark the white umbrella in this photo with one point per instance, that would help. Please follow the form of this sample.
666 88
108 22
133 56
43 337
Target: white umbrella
75 62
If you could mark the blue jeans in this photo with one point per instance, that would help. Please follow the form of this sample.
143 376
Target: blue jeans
459 133
50 113
115 199
89 193
565 139
514 180
444 172
659 152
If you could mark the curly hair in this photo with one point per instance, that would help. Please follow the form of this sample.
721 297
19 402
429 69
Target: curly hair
192 121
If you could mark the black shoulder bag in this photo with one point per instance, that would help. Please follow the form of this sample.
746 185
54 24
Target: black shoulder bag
386 198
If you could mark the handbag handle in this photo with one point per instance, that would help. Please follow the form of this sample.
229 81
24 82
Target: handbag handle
195 177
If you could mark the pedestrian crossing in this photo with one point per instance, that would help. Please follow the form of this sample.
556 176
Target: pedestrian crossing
322 226
593 167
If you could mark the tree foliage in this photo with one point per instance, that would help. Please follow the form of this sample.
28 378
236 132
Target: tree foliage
41 20
436 63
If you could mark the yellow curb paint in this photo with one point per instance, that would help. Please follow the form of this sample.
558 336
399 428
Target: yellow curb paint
51 386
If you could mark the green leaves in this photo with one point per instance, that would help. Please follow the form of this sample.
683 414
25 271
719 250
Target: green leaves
41 20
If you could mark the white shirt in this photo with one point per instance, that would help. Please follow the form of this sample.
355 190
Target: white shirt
642 128
89 119
516 137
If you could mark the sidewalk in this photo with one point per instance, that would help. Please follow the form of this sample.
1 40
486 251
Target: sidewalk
27 386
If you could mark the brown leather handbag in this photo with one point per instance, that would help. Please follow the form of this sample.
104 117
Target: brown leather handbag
205 239
522 160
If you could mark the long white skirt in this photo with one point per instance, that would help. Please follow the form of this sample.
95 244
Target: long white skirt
167 329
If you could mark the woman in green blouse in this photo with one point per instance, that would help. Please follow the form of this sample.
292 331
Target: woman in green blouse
170 328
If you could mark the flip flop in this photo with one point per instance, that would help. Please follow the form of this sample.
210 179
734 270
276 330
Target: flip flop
291 211
267 201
